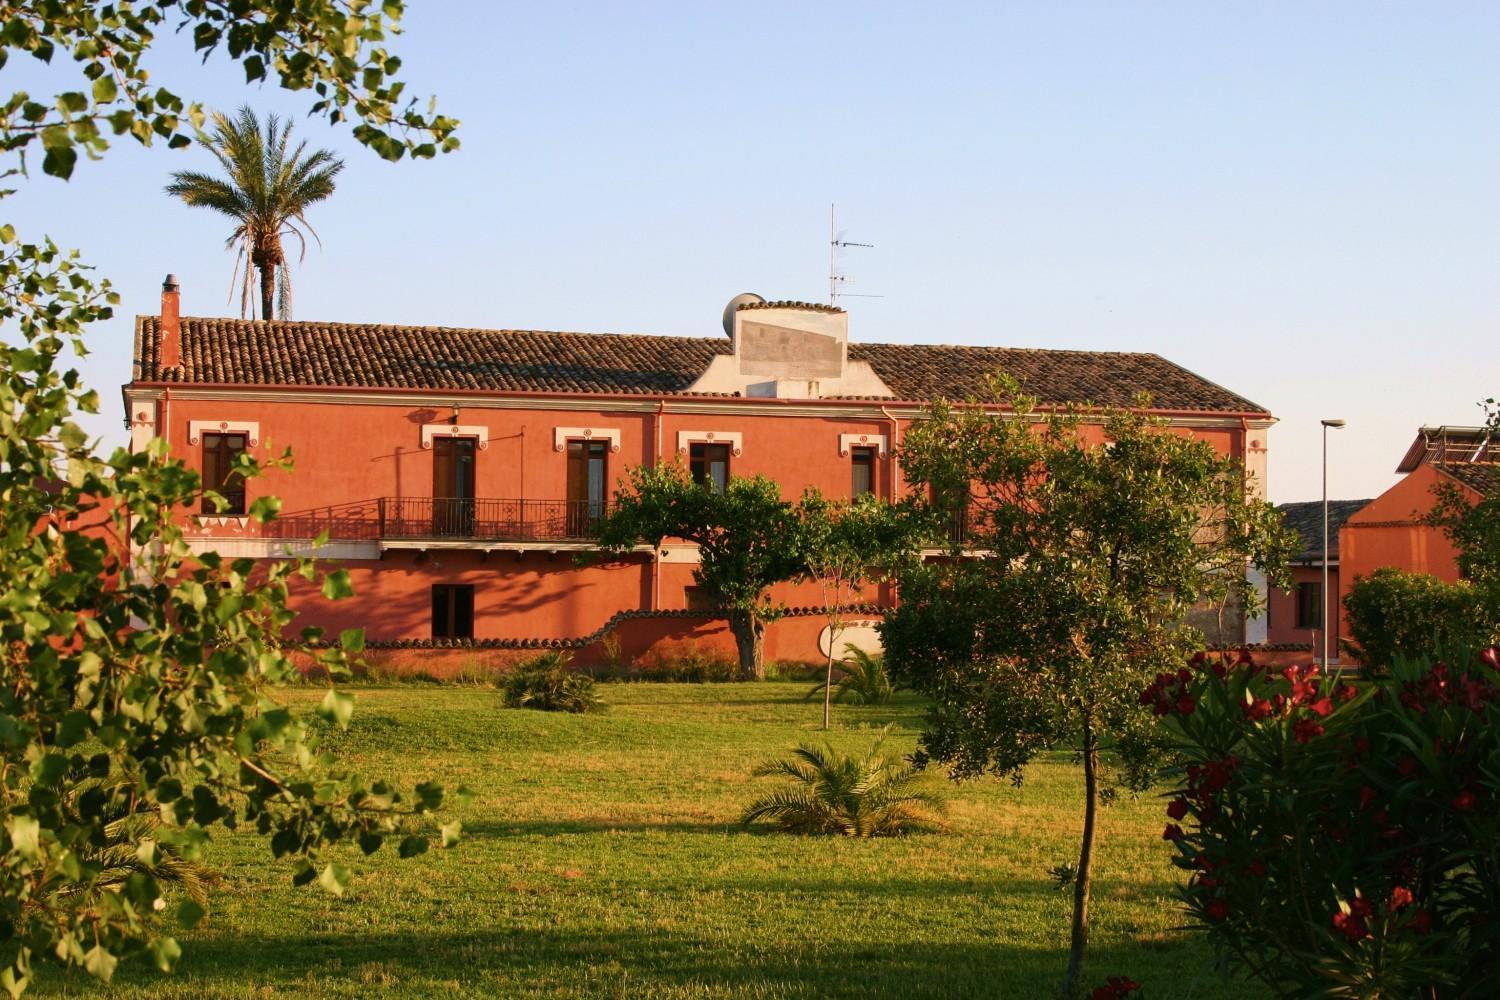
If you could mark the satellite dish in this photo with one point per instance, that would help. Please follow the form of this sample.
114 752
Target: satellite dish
742 299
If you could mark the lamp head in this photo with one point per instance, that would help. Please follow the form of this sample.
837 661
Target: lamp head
1333 423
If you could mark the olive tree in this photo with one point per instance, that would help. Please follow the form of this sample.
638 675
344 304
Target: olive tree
139 708
1068 590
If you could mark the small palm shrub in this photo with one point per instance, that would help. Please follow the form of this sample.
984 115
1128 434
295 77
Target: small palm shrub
874 794
545 682
863 681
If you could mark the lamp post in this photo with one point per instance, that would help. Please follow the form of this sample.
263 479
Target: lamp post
1323 595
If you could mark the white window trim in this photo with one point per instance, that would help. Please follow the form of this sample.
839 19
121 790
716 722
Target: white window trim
734 439
562 435
249 428
848 442
430 431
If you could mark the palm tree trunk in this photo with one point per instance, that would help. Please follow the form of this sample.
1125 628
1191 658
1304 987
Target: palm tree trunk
1081 885
267 291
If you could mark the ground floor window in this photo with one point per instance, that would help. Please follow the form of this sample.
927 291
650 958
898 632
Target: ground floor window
453 611
1309 605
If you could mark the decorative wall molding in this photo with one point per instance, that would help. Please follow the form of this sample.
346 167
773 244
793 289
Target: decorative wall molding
850 441
249 428
562 435
734 439
430 431
236 521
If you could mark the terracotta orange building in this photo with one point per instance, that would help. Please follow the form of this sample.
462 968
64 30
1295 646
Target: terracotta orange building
459 472
1390 530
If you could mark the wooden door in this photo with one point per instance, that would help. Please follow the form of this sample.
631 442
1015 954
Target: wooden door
453 486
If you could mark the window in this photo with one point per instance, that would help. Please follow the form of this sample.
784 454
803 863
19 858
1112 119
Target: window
453 611
219 453
863 461
1309 605
588 479
709 464
453 486
695 598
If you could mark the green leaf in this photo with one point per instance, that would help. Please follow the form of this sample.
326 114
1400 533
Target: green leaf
165 952
105 89
25 836
370 841
336 585
189 914
100 963
335 878
352 640
451 833
337 706
412 846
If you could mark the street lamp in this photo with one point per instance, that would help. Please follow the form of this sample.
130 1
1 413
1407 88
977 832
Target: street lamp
1323 596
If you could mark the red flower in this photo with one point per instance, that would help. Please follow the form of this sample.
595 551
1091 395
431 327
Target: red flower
1186 704
1217 909
1360 907
1491 656
1408 766
1366 796
1172 832
1346 692
1115 988
1421 921
1361 745
1322 707
1400 896
1463 801
1258 709
1305 730
1350 925
1177 808
1256 868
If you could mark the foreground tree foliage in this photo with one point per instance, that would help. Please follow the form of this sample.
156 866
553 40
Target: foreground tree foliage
1342 842
1084 544
138 708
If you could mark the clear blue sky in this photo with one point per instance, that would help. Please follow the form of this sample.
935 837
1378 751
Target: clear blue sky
1300 201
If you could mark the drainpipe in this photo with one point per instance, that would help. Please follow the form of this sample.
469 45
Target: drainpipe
661 410
895 481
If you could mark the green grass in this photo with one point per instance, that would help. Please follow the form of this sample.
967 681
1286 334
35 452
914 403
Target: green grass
602 858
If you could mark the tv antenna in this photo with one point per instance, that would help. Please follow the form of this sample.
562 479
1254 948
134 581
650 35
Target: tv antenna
836 278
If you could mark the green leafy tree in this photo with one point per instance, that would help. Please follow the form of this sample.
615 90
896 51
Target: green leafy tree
138 679
267 191
1078 566
749 539
849 544
1474 526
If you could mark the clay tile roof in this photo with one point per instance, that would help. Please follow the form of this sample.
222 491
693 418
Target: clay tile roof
1481 477
285 352
790 304
1306 518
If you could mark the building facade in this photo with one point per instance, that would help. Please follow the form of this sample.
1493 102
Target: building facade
459 474
1295 614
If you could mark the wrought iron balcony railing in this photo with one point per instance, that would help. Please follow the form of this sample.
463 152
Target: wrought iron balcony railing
446 519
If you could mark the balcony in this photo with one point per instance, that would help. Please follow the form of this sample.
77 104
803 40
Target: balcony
407 521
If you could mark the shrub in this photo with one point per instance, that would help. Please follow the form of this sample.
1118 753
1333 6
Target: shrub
1342 840
863 679
874 794
546 683
1393 613
687 663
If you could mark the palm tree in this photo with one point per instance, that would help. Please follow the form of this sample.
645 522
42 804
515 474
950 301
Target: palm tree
267 191
863 679
876 794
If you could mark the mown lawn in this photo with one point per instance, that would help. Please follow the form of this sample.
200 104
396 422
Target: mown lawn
601 858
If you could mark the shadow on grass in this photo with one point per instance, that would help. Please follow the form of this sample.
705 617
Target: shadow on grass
491 962
499 829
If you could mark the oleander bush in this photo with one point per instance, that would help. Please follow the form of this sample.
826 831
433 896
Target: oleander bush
1342 840
547 683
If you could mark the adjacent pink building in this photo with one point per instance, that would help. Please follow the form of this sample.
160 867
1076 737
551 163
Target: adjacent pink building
458 473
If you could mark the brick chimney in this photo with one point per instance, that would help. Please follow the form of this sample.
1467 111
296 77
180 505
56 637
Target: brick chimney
169 347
